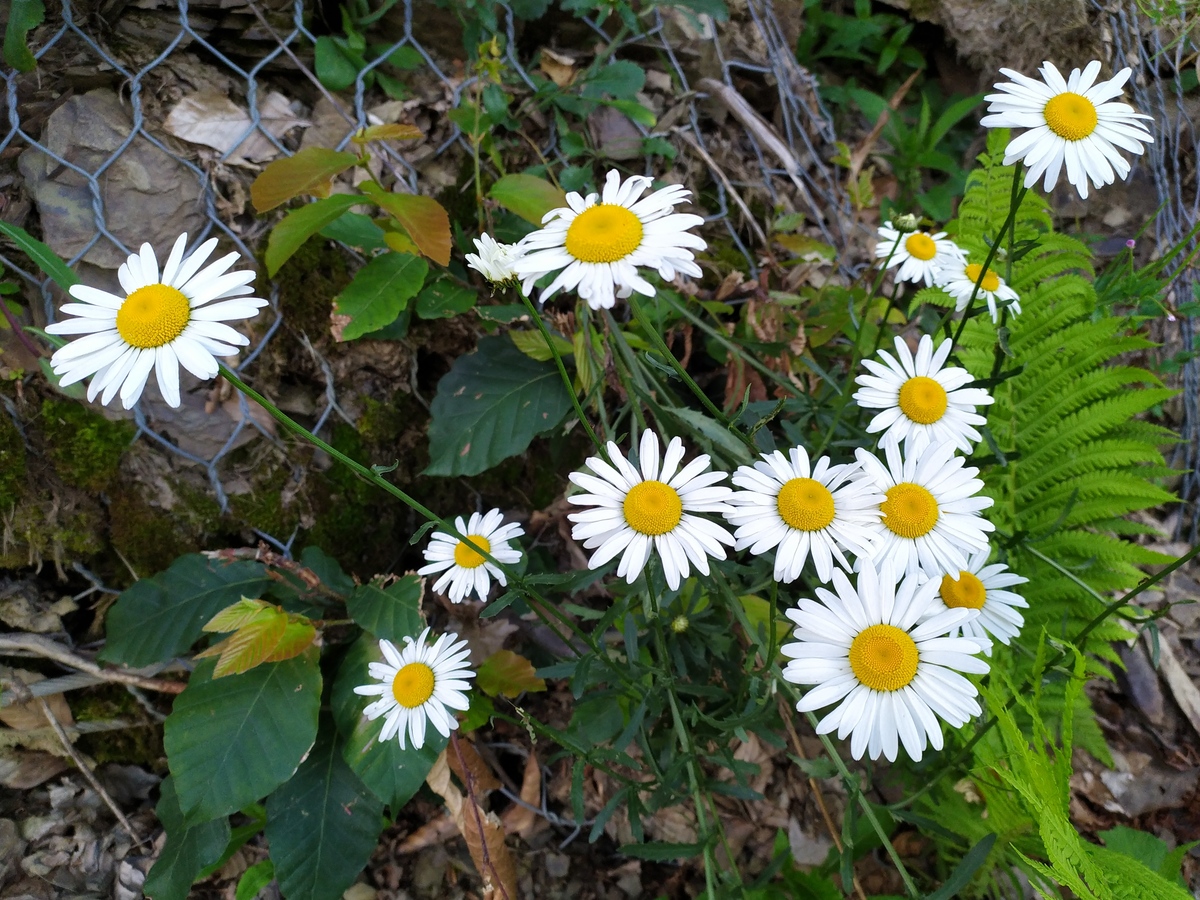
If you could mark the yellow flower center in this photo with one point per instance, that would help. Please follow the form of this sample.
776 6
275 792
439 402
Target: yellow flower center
604 233
884 658
923 400
909 510
467 558
921 246
967 592
652 508
413 685
153 315
805 504
1071 116
991 281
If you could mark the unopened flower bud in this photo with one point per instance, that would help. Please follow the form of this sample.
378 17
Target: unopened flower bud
905 223
680 624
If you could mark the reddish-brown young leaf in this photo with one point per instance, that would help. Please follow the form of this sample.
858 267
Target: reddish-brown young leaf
422 217
508 674
394 131
234 616
309 171
297 637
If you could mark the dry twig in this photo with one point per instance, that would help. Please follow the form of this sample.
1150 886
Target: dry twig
724 179
859 156
48 649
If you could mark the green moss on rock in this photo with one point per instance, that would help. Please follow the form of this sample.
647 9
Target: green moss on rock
12 463
84 447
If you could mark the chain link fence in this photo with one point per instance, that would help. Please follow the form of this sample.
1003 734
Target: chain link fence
787 157
1150 49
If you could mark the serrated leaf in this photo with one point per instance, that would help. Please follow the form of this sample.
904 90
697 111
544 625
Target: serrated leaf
233 741
309 171
161 617
322 824
249 646
23 17
379 292
234 616
621 79
489 406
392 612
45 258
297 637
507 674
300 224
443 298
426 222
392 774
392 131
187 851
528 196
533 345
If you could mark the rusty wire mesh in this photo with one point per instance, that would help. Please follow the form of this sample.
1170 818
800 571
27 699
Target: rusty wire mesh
803 124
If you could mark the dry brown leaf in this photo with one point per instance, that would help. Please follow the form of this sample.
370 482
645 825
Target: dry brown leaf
430 834
558 68
482 831
29 716
481 772
517 819
213 120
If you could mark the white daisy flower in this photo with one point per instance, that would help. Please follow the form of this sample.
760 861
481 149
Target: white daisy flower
419 684
923 400
161 323
599 241
979 586
931 508
1072 122
786 505
959 277
891 671
918 254
464 569
654 509
494 260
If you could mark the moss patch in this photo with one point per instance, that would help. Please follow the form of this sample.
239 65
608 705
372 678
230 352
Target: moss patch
85 448
308 282
148 537
12 463
140 745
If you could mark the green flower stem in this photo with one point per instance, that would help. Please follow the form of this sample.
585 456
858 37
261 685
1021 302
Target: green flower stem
657 339
629 370
538 604
566 378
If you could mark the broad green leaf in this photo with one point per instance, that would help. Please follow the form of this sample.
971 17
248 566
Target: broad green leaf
297 637
234 616
325 567
634 111
392 774
507 674
188 848
161 617
322 824
254 879
400 242
528 196
490 405
23 17
620 79
335 70
422 217
443 298
355 230
379 292
308 171
43 257
234 740
533 345
302 223
392 612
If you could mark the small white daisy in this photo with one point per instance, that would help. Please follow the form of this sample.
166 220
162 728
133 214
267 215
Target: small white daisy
918 254
654 509
419 683
923 400
980 586
931 509
161 323
959 278
494 260
891 671
599 241
1072 122
786 505
464 569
